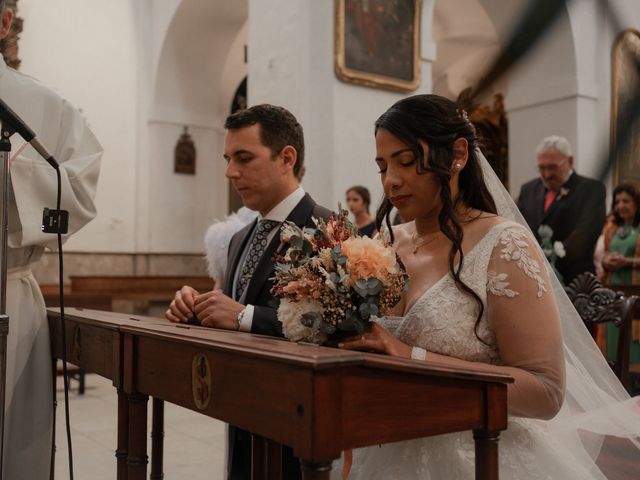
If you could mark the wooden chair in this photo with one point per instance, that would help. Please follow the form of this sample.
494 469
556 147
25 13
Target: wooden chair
597 304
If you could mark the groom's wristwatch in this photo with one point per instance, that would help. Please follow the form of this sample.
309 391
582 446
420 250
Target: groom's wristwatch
240 317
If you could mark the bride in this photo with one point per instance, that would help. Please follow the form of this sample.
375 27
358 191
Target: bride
480 294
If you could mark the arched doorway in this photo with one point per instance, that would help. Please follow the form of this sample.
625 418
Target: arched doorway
198 69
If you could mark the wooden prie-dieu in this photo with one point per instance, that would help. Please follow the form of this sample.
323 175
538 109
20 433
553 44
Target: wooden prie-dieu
319 401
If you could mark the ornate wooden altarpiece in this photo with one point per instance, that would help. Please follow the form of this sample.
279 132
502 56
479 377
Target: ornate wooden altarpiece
9 46
492 129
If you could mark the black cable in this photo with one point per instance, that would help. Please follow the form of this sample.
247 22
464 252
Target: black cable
65 374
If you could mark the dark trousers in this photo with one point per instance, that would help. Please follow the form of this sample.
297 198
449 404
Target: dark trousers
240 458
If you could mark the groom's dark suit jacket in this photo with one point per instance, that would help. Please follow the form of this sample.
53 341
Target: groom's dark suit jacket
576 218
265 322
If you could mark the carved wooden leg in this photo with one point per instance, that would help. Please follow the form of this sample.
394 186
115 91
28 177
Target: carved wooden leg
315 470
122 449
157 439
81 381
137 458
487 460
266 459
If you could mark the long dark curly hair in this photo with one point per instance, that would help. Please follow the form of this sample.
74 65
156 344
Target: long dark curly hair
438 122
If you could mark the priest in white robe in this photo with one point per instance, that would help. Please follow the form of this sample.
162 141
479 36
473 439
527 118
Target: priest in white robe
64 132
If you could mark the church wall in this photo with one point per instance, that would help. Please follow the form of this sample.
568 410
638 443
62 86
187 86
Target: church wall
141 70
199 68
577 103
292 65
159 65
542 99
527 126
588 27
139 83
562 86
85 51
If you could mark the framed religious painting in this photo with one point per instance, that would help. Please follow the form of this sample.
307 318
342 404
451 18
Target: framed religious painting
377 43
625 126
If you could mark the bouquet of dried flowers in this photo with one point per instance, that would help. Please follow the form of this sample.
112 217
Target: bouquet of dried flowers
331 279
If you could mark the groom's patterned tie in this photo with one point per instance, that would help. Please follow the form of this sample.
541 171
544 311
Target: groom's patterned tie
254 254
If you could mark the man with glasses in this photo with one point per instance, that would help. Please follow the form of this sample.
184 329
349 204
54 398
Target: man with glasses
573 206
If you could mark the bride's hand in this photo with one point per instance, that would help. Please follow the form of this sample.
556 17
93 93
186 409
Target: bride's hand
377 340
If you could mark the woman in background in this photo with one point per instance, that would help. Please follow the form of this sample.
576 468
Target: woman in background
358 201
621 258
617 257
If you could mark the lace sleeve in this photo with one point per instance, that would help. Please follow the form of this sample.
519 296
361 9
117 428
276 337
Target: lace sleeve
524 317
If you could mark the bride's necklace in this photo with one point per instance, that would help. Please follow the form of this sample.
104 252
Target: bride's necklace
419 242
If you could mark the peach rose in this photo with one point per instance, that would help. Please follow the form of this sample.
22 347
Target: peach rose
369 257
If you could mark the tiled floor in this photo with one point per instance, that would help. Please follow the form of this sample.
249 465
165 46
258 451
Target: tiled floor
193 443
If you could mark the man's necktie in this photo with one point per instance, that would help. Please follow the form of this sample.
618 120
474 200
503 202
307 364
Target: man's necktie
548 199
254 254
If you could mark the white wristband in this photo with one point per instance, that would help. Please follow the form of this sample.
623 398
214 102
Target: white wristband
418 353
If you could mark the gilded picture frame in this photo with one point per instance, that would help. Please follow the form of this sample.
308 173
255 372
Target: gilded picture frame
625 81
377 43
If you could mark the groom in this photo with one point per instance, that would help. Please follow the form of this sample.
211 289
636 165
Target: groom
264 150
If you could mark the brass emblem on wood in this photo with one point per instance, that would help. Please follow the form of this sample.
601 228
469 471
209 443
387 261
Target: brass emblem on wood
201 381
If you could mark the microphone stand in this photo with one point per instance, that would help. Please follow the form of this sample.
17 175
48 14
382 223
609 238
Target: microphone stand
5 151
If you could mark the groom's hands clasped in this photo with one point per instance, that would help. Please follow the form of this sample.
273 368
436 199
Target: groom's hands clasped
181 307
215 309
211 309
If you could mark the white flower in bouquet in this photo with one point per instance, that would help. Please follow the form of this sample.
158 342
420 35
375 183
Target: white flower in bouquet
545 232
290 313
552 250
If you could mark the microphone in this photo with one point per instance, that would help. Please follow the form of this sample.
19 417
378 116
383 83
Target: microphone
11 118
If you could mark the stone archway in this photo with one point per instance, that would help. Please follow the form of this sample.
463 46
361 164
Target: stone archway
195 73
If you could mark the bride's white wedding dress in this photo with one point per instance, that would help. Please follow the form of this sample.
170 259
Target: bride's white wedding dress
504 269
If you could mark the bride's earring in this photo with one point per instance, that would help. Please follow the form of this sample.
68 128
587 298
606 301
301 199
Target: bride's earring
457 167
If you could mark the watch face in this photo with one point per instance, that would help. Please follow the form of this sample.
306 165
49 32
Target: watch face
240 317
